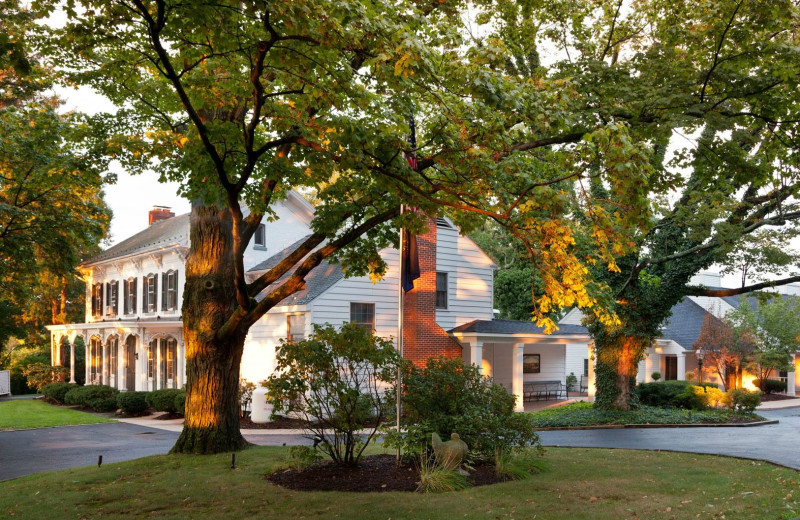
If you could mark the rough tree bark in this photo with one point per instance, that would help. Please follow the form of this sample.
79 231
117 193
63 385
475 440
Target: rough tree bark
616 364
212 362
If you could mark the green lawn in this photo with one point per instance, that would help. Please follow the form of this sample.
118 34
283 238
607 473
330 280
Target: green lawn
580 484
584 414
21 414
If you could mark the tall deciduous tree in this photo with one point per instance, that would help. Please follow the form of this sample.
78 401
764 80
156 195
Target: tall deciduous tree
242 101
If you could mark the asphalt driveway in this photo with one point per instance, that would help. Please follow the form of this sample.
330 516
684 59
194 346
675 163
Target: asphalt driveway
774 443
34 451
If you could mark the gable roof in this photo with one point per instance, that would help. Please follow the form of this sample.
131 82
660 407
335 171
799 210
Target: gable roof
319 280
683 327
173 230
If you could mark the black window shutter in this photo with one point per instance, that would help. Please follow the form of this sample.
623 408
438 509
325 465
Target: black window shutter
126 290
154 303
101 299
116 298
164 285
175 292
145 298
135 294
94 300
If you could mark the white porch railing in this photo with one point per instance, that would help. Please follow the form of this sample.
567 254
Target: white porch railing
5 382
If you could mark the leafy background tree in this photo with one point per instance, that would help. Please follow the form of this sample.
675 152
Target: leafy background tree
52 213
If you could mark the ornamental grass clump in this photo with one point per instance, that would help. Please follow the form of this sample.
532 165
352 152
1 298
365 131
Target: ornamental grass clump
435 478
335 380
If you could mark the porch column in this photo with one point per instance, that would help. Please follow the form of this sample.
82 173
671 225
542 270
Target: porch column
88 346
104 366
473 354
790 388
72 361
516 375
682 366
650 364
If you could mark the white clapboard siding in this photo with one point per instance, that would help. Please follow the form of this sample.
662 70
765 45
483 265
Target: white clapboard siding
469 276
289 227
551 362
258 358
333 306
576 354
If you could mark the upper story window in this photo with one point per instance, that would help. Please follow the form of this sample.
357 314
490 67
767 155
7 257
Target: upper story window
169 291
295 328
260 237
441 290
363 315
112 298
149 293
97 300
129 295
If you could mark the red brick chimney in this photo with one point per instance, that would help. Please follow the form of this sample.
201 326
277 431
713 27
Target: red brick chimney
423 338
159 213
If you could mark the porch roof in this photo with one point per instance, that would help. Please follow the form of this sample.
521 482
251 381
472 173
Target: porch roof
517 331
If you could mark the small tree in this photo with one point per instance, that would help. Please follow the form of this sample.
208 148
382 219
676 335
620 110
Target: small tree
728 345
335 380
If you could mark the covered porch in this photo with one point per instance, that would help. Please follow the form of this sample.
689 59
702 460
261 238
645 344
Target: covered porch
516 354
128 356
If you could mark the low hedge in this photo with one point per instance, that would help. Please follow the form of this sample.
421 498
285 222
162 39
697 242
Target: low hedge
56 392
675 394
771 386
132 403
163 400
180 402
84 395
103 404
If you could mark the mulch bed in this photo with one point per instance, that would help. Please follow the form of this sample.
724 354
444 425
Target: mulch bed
776 397
169 416
375 473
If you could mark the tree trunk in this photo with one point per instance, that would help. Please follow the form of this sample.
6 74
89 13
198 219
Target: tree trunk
616 365
212 364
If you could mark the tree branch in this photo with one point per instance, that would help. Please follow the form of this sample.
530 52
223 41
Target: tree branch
694 290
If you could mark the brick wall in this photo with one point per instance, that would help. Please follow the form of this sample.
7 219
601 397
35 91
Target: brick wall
422 337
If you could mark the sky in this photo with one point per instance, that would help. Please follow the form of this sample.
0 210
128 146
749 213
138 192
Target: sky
133 196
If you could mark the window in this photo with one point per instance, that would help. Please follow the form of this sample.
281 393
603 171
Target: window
530 364
586 367
169 291
441 290
97 300
149 292
112 298
260 238
363 314
295 327
129 295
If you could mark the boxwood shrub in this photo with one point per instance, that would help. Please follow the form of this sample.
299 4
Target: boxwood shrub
82 395
771 386
132 403
180 402
55 392
163 400
103 404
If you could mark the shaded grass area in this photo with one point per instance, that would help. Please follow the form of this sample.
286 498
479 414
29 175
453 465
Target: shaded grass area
584 414
581 483
21 414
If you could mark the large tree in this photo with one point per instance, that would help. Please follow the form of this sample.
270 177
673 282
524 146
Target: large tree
242 101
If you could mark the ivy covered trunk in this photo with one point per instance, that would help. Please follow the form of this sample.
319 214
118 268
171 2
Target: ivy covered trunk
617 360
212 363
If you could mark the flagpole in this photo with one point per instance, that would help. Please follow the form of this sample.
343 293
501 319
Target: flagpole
400 300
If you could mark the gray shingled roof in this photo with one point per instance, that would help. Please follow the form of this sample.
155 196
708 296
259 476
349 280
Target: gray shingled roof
683 327
514 327
161 233
319 280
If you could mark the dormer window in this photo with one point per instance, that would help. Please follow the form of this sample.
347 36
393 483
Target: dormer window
260 237
169 291
112 298
97 300
129 295
149 293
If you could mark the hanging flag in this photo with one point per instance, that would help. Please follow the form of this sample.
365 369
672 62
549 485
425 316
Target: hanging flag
411 156
410 266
